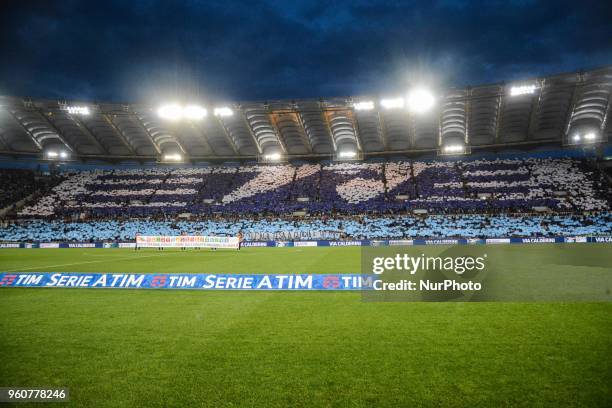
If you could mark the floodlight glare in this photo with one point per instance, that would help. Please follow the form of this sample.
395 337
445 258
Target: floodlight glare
396 103
63 155
590 136
364 105
173 157
522 90
273 157
223 111
78 110
194 112
52 155
347 154
576 138
420 100
453 149
170 112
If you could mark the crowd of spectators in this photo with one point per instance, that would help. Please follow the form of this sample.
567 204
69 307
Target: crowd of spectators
357 200
19 184
482 186
15 185
352 227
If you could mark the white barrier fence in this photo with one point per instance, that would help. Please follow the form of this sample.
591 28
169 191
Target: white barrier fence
185 241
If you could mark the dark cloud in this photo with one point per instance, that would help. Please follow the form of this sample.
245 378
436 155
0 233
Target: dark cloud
143 50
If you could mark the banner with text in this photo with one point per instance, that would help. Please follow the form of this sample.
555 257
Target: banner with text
185 281
185 241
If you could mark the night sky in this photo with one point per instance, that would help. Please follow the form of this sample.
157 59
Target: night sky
147 51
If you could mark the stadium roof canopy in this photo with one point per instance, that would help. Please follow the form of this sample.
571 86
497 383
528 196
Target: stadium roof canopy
557 109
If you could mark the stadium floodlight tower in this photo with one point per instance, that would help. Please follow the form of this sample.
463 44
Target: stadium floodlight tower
454 146
523 89
77 110
347 151
272 157
454 149
223 112
172 158
56 154
586 138
420 101
344 154
176 112
363 105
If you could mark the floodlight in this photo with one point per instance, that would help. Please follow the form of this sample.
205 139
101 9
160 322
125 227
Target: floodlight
590 136
522 90
273 157
78 110
173 157
223 111
392 103
52 154
63 155
170 112
194 112
453 149
364 105
576 137
420 100
349 154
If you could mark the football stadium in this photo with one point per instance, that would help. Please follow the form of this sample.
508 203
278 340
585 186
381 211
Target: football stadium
143 198
436 246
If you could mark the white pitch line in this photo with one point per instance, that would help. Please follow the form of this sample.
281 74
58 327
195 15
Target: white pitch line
82 263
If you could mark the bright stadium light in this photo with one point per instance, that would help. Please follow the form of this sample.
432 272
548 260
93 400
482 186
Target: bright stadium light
78 110
395 103
588 137
272 157
223 111
453 149
523 90
194 112
348 154
420 100
364 105
176 157
54 155
170 112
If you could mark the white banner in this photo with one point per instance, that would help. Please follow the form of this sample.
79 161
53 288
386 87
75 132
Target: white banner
49 245
292 235
185 241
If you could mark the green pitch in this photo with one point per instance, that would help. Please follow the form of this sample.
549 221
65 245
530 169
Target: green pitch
194 348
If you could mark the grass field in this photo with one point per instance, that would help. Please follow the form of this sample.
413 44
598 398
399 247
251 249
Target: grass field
196 348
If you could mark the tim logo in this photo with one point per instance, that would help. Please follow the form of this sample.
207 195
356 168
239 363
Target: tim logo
8 280
159 280
331 282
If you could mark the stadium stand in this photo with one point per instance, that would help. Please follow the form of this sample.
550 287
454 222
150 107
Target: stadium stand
528 163
16 184
481 186
366 227
19 184
469 198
